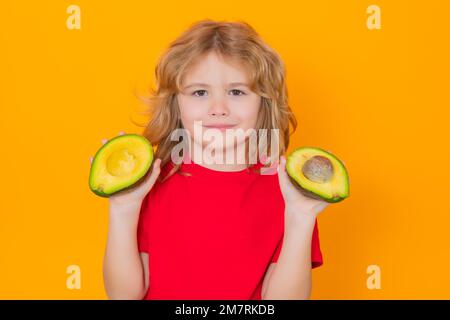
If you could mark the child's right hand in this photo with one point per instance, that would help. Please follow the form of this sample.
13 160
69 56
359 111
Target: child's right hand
136 194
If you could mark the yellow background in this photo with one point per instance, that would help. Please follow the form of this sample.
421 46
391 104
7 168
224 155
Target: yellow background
378 99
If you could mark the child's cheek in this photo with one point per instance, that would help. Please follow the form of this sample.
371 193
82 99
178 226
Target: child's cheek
191 110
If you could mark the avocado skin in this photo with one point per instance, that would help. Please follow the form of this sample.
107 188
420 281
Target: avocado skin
107 195
311 194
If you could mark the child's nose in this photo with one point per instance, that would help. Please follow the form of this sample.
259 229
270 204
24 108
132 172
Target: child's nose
218 108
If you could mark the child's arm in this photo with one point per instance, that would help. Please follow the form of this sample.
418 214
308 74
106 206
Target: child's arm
290 277
123 270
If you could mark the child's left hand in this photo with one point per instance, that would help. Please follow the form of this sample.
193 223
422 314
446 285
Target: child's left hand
297 204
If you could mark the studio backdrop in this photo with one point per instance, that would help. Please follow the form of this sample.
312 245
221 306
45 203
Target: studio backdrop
367 80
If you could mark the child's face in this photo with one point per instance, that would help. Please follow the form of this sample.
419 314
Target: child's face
209 95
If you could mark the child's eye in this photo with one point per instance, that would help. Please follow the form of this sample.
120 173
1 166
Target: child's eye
238 92
201 91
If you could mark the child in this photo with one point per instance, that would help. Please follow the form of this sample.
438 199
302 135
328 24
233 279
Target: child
200 230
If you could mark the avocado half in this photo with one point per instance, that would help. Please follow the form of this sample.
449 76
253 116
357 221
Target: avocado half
318 173
120 164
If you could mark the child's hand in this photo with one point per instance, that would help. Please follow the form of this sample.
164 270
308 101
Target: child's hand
296 203
136 194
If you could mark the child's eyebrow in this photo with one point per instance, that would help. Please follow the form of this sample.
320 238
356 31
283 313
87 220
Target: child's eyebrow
231 84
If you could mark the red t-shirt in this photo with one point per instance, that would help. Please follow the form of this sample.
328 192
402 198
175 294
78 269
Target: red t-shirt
212 235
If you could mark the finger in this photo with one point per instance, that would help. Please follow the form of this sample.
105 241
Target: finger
263 159
314 205
272 169
286 182
151 179
282 174
104 141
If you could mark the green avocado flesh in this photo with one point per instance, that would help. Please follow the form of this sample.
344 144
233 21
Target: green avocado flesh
318 173
119 164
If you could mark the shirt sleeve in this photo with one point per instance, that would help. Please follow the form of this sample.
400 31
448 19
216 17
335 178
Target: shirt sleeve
316 253
277 251
142 234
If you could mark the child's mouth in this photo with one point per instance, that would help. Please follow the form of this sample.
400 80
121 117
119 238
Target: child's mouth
221 127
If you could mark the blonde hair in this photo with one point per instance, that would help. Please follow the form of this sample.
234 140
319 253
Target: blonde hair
235 40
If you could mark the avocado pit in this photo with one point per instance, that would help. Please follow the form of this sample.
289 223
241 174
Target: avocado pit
318 169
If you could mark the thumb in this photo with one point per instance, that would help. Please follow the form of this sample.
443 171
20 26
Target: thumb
153 175
282 174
